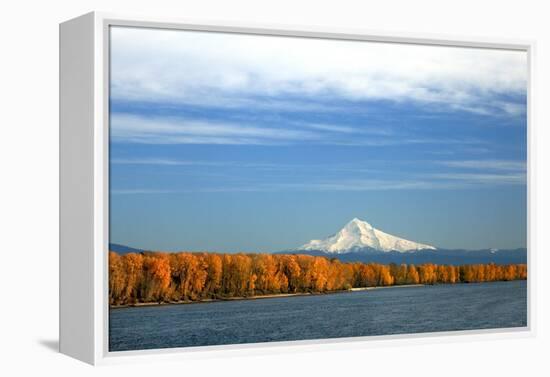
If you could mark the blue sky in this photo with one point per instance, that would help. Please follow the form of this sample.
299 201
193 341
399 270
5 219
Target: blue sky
227 142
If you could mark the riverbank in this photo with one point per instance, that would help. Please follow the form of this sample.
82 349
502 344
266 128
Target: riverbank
208 300
260 297
386 287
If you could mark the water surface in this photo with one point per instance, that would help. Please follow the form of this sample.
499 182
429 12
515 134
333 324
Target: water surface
402 310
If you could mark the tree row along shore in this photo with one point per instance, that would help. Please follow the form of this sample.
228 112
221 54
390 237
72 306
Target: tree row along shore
156 277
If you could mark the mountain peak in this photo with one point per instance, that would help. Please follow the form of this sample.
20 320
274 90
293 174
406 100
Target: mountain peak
359 223
359 235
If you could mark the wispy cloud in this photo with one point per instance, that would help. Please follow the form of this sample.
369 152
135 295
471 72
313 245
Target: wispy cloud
361 185
267 169
167 162
201 163
331 128
142 191
483 168
468 178
486 164
169 130
367 175
442 181
132 128
405 140
169 66
484 172
354 185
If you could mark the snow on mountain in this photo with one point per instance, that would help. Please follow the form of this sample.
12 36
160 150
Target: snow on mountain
359 235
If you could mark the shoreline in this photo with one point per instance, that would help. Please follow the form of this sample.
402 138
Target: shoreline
386 287
259 297
210 300
279 295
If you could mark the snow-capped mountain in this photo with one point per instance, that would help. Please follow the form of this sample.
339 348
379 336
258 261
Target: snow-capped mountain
359 235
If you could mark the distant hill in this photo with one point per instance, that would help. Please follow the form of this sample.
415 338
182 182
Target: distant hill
369 254
439 256
123 249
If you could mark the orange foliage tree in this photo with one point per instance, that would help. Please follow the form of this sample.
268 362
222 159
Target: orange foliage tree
185 276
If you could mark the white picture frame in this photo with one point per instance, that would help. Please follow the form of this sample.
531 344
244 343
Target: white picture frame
84 151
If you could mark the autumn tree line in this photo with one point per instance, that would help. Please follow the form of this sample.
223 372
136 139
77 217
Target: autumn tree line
169 277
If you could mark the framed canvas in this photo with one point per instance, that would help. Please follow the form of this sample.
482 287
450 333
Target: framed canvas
235 188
